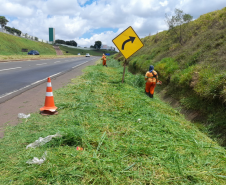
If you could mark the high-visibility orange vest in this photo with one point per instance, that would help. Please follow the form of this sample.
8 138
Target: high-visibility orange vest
151 76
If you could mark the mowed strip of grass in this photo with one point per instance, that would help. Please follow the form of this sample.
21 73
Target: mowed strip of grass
127 137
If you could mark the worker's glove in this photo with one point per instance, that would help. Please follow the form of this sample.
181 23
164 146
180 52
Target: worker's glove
159 82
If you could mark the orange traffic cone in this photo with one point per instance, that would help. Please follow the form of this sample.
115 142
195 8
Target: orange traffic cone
49 107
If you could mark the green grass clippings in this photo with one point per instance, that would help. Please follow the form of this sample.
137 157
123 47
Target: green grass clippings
127 138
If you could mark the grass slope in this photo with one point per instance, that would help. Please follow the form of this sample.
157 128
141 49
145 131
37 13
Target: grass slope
12 45
195 72
75 51
127 137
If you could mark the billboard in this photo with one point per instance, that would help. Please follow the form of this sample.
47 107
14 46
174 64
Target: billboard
51 34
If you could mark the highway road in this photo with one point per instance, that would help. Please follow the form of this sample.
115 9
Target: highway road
17 77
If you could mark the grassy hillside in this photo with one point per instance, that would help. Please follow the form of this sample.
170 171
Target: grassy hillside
12 45
195 72
127 138
75 51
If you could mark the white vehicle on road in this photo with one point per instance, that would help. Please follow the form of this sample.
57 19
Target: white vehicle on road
87 55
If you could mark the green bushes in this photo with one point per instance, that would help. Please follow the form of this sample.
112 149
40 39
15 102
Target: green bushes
194 58
183 78
165 68
112 63
140 64
211 85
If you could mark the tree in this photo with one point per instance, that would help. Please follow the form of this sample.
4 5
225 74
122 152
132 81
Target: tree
73 43
60 41
3 21
97 44
13 30
175 23
68 43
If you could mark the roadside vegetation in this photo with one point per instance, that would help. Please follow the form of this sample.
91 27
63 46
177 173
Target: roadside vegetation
13 45
127 138
192 67
75 51
4 58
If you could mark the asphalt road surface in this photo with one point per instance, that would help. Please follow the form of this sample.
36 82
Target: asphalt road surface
30 98
17 77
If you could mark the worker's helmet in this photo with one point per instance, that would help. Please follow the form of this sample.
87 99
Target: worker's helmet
151 68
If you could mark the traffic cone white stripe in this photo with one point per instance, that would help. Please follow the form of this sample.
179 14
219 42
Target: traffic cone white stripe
49 100
49 93
49 84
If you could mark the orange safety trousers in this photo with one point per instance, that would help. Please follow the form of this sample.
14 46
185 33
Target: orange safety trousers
104 62
150 87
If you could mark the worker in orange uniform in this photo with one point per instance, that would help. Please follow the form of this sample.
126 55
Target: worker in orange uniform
151 78
104 60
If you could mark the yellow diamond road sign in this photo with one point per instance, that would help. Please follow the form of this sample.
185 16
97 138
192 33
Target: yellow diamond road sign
128 42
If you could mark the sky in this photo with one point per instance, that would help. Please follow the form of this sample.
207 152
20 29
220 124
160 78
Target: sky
87 21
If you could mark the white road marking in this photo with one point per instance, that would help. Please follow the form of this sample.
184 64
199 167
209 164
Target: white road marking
80 64
7 94
4 95
37 82
57 61
10 69
41 64
55 74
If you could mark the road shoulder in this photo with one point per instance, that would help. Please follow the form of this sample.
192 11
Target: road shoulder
31 100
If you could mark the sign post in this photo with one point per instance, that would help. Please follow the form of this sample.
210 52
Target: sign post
127 43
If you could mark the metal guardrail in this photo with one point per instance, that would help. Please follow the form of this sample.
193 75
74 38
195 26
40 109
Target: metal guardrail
75 47
80 47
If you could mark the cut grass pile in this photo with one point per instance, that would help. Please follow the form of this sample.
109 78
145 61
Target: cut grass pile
75 51
127 137
13 45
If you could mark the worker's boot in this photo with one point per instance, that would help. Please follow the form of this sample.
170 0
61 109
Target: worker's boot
151 95
147 93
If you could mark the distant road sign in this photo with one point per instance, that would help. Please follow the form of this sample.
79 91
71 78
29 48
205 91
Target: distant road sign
128 42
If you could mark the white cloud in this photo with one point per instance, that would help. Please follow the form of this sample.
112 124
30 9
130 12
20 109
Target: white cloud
14 9
165 3
105 38
71 20
59 7
82 2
